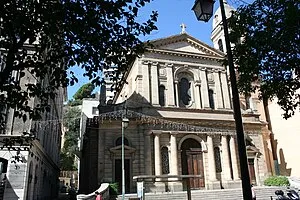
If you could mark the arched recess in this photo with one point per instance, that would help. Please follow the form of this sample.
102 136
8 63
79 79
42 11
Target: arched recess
29 181
185 88
35 181
165 160
195 137
192 162
220 45
162 95
129 156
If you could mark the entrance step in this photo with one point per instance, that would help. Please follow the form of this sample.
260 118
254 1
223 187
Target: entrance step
262 193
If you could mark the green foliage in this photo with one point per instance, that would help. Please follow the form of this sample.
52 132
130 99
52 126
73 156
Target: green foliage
43 40
84 91
113 188
277 181
72 125
268 53
73 102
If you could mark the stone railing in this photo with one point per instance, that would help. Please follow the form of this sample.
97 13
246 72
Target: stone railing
294 182
103 190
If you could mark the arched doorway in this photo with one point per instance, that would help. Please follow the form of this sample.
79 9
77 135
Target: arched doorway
192 162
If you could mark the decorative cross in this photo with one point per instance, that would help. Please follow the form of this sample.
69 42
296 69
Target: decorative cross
183 27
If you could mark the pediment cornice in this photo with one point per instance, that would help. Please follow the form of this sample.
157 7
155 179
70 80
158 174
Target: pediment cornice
201 46
186 54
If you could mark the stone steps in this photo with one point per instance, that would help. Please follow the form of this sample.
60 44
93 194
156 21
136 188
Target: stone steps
262 193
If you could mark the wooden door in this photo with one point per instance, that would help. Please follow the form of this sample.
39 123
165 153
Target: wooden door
251 171
118 174
195 167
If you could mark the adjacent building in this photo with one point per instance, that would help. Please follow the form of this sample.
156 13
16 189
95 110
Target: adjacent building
31 171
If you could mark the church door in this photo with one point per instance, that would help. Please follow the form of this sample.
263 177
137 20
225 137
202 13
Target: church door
192 163
118 174
195 167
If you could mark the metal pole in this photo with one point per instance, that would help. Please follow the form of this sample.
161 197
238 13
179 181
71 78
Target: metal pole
247 194
123 168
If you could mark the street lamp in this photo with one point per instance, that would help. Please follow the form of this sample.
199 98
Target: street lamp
200 8
203 9
125 123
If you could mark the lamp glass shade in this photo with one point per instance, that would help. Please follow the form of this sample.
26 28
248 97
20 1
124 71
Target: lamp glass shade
203 9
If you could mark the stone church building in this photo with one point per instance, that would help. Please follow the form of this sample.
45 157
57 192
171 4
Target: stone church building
178 102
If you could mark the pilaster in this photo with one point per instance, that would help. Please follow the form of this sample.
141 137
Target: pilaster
225 90
204 88
218 90
154 84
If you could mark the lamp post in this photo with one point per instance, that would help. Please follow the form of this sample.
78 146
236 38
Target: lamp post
125 123
204 10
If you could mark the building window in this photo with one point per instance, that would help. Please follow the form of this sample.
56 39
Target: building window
165 160
247 101
184 92
119 141
220 44
95 111
161 95
211 99
218 159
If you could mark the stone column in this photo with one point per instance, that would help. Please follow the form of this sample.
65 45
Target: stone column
204 88
154 84
197 94
225 158
256 169
211 160
225 90
157 154
173 155
234 159
176 91
147 154
219 99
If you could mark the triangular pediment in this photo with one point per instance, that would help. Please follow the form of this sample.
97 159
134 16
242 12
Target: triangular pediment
186 44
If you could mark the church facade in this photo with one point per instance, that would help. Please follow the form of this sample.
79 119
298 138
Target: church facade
181 122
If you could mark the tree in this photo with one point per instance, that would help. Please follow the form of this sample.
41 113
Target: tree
85 91
39 37
72 125
266 38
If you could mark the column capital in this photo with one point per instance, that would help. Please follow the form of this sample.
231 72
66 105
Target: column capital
198 83
169 64
154 63
174 133
146 62
156 132
202 68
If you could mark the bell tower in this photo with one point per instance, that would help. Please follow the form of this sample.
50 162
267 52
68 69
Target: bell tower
217 35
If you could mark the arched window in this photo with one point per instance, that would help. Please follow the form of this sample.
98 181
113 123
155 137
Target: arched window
247 101
119 141
220 44
161 91
165 160
184 92
211 99
3 165
218 159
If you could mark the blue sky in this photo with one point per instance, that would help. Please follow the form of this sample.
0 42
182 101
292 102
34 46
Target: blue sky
171 13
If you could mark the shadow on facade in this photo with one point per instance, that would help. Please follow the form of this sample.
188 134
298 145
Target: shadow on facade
9 192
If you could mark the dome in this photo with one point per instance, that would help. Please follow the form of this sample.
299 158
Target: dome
217 18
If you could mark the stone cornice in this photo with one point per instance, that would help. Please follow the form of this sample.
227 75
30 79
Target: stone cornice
186 54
